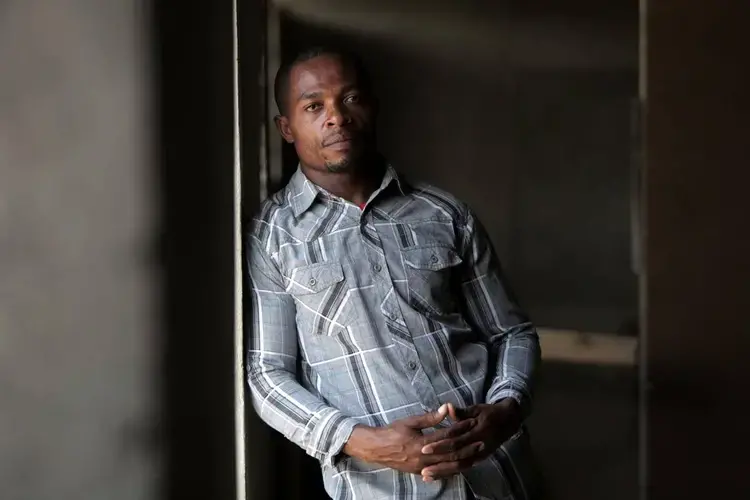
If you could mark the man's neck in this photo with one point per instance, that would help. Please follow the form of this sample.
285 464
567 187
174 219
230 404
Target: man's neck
355 184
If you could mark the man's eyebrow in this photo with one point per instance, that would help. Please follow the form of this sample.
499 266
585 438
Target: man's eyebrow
309 95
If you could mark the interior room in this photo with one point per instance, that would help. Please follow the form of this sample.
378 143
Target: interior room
602 143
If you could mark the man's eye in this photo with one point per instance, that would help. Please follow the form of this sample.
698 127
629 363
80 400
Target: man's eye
352 99
313 107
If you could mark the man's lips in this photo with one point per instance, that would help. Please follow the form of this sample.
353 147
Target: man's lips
337 140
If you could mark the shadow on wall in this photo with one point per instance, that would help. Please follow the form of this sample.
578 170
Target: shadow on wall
194 127
585 431
576 34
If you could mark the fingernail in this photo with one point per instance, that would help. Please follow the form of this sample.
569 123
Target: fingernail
427 479
443 408
427 450
480 447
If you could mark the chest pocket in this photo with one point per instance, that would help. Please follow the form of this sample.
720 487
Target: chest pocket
431 273
321 295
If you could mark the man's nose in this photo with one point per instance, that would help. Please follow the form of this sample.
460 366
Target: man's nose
337 116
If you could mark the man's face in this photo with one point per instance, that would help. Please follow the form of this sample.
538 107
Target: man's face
328 117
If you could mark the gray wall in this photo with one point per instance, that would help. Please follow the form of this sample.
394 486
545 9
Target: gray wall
530 124
78 296
117 250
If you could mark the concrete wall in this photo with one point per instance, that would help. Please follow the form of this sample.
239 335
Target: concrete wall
117 249
526 116
78 296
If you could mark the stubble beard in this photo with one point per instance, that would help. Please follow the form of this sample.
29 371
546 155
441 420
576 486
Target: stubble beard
338 166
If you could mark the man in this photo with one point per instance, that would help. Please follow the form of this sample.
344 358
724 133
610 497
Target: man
416 365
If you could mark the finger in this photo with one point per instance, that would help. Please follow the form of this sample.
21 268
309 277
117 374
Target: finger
452 442
427 420
452 412
472 451
452 432
446 469
457 414
469 412
441 470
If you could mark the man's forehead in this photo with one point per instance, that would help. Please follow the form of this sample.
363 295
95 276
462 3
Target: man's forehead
322 73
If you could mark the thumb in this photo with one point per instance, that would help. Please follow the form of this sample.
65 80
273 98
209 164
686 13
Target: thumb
428 419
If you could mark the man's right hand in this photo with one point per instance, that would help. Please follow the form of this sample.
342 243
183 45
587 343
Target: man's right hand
399 445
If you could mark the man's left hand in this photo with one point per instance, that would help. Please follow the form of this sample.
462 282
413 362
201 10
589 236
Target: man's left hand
494 424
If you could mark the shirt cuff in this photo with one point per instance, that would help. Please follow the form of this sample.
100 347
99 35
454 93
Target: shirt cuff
523 400
333 433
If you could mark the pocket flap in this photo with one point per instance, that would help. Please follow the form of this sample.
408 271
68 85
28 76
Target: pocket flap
314 278
431 258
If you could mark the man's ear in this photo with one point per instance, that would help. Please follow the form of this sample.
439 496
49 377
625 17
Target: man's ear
282 124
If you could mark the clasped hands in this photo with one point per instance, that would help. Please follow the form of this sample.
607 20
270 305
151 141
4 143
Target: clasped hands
477 431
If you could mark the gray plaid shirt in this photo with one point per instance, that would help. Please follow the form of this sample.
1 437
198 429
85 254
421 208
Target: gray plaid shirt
389 312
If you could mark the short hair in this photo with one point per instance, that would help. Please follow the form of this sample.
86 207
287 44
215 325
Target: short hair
350 59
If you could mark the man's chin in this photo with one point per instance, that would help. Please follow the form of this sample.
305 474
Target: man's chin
339 164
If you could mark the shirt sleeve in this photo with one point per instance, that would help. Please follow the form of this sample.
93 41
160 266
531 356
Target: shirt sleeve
492 310
277 396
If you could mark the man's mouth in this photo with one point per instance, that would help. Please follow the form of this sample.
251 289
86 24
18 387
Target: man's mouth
337 140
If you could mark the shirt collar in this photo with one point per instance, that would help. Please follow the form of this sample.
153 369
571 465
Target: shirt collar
304 192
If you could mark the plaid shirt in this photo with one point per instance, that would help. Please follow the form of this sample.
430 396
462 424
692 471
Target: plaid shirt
369 316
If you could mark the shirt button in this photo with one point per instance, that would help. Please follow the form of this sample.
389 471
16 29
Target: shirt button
434 259
377 268
412 365
312 282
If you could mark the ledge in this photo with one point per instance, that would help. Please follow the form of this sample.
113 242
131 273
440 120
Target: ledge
572 346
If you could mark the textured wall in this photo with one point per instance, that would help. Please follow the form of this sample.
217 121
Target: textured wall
77 300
